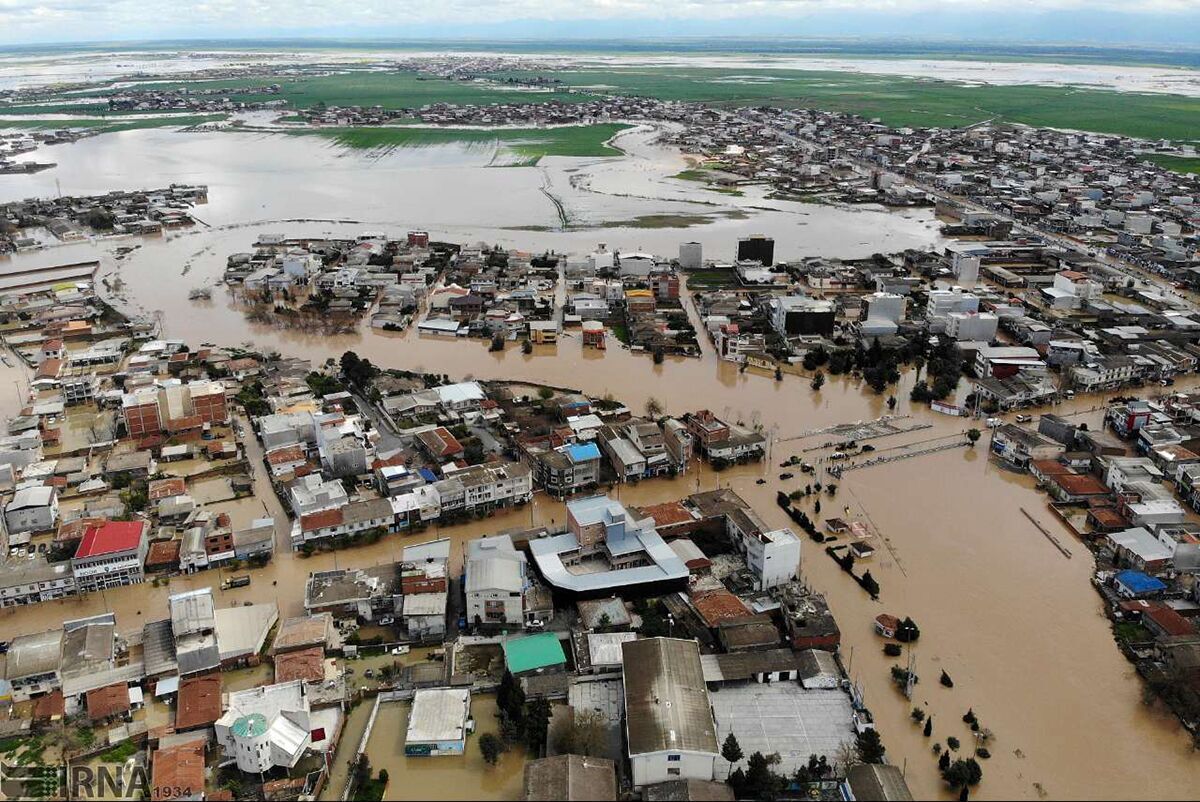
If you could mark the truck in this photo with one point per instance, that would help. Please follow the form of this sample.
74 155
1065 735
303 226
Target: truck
236 582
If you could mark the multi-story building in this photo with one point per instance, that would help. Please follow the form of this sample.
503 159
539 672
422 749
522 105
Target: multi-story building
496 581
173 407
568 469
772 555
32 509
110 555
30 582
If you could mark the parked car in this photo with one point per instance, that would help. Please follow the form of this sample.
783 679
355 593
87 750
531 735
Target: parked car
1024 418
386 621
400 650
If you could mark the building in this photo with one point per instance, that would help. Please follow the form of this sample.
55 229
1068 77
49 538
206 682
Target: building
534 654
691 255
799 315
437 724
370 593
568 469
178 771
875 782
496 581
33 509
668 721
570 778
173 407
33 581
110 555
614 550
756 248
772 555
1019 446
33 664
272 726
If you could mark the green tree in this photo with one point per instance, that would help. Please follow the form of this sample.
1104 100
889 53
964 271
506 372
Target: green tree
491 748
654 407
963 773
818 380
869 746
907 632
731 750
537 724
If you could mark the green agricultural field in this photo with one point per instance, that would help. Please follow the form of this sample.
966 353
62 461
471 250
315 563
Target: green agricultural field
900 101
1180 164
522 146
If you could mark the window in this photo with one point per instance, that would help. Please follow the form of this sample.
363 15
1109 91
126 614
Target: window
673 772
674 758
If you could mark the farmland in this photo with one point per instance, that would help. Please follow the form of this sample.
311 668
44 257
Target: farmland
513 145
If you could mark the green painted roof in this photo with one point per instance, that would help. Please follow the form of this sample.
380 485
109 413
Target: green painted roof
250 726
533 652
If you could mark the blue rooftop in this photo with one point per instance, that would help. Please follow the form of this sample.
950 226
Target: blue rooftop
582 452
427 475
1140 583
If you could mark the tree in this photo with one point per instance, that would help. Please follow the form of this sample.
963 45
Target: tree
929 726
758 781
963 773
545 393
497 342
891 402
491 748
654 407
731 750
537 722
907 632
869 746
659 355
973 436
818 380
526 346
778 373
584 733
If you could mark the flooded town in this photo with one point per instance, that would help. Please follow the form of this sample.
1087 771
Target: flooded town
764 452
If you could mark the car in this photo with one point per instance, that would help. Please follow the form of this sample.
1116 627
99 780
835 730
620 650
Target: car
400 650
387 621
369 673
1024 418
783 477
760 481
536 623
1068 394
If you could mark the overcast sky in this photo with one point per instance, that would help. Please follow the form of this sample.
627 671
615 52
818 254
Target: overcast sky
1175 22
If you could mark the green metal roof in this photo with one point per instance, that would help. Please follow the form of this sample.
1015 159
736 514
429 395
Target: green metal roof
533 652
250 726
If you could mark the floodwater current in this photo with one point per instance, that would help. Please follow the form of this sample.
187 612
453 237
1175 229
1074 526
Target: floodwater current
1011 619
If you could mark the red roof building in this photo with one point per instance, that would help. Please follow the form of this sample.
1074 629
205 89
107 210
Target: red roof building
199 702
109 701
110 537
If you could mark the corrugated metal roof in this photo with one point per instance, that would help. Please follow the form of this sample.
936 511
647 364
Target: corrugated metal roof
666 700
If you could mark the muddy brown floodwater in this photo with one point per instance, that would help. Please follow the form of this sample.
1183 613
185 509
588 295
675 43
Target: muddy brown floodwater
1012 620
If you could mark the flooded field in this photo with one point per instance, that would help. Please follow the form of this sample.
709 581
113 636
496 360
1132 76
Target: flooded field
1012 620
